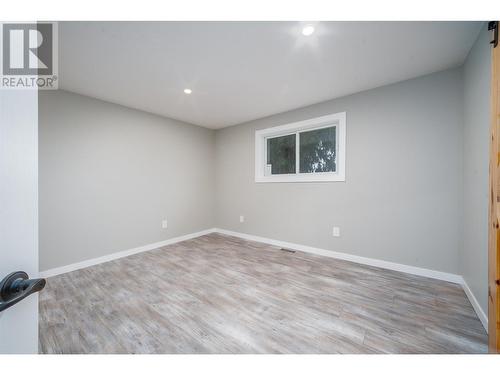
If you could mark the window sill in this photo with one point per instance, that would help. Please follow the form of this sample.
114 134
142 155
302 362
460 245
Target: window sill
323 177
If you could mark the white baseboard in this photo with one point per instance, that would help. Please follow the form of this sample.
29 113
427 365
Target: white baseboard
457 279
475 304
450 277
121 254
308 249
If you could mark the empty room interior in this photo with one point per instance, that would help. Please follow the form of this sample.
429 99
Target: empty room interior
266 187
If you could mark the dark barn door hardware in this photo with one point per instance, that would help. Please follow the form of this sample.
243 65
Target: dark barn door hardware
493 26
17 286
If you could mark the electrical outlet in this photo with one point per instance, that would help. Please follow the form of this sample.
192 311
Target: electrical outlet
242 219
164 224
336 232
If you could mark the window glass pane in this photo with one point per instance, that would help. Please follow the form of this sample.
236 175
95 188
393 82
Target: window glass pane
318 150
281 154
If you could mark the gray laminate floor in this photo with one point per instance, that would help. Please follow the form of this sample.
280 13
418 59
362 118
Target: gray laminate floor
220 294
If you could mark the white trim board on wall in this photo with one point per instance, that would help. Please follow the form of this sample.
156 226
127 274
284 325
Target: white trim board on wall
352 258
425 272
121 254
453 278
477 308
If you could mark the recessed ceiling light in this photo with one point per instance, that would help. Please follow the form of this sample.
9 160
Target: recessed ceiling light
308 30
188 91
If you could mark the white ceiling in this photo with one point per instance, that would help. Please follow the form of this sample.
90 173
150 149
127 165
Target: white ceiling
240 71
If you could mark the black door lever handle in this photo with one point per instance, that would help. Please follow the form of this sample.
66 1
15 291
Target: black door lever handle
17 286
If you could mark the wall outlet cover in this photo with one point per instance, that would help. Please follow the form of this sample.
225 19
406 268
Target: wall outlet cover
336 232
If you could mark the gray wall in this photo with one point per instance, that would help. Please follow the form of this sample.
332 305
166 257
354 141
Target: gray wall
110 174
474 256
402 199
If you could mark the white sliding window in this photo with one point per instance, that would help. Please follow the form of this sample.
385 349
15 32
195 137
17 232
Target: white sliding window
305 151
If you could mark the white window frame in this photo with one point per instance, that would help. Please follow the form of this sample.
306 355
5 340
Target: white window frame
261 136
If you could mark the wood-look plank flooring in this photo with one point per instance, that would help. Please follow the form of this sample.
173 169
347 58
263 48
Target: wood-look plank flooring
221 294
